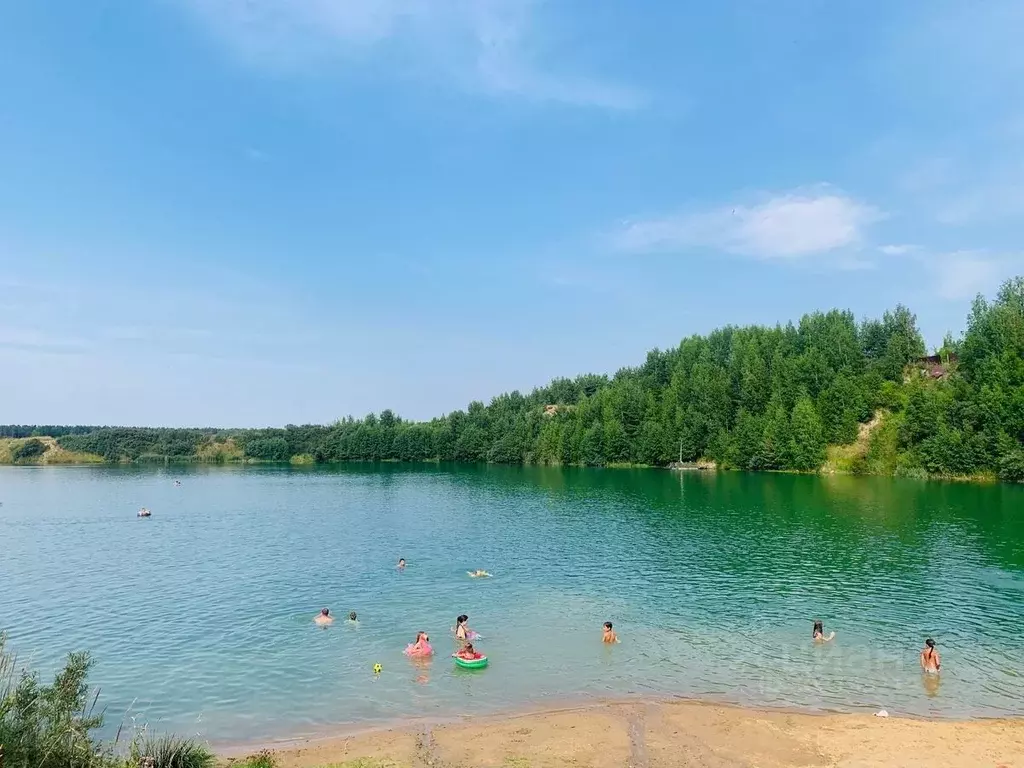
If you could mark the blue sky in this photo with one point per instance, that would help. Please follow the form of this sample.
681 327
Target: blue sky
247 212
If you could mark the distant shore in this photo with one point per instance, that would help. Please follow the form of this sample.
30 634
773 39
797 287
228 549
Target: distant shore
660 734
54 455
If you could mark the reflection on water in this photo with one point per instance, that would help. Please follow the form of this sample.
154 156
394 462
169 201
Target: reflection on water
712 581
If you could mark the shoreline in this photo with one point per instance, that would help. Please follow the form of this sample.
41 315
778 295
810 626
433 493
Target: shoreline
568 704
651 732
979 478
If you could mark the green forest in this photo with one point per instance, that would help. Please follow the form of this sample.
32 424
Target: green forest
753 398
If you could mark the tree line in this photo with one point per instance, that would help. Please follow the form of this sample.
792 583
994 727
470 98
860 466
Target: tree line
757 398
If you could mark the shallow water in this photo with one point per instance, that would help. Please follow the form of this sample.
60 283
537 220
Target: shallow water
200 618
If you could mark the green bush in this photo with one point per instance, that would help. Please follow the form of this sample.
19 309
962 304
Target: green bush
49 726
170 752
262 759
30 449
1011 468
53 726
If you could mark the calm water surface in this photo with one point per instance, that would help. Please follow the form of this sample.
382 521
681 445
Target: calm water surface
200 617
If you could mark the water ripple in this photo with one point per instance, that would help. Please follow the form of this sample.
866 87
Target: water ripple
201 615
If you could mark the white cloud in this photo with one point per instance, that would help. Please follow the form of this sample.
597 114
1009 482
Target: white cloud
792 225
898 250
486 45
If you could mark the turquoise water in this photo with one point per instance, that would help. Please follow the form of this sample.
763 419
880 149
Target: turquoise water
200 617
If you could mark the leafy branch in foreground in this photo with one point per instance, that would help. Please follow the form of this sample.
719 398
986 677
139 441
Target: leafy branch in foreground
53 726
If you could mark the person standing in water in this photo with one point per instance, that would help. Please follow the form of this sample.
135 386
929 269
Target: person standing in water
818 633
930 657
324 618
609 635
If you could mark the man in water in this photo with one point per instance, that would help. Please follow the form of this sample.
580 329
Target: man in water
930 657
324 618
353 618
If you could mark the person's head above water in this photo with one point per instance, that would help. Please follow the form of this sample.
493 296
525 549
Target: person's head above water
461 619
325 612
819 628
930 643
401 562
607 625
469 648
352 616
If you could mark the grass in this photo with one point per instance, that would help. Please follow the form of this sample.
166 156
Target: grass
852 459
219 451
170 751
262 759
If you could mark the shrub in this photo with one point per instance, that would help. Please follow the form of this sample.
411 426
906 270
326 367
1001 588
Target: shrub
1011 467
170 752
262 759
30 449
52 726
48 726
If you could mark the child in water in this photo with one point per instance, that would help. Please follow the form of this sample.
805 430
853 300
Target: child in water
609 635
468 653
818 633
421 647
930 658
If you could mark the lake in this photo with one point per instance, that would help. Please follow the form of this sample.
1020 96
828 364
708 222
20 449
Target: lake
200 618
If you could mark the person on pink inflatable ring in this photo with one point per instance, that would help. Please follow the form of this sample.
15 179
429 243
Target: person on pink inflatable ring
421 647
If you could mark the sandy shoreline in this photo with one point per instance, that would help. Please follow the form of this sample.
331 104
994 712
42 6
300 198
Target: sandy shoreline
663 733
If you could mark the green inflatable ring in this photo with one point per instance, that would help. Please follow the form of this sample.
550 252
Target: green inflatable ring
474 664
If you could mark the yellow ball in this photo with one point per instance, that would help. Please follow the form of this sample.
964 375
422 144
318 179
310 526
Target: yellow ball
377 669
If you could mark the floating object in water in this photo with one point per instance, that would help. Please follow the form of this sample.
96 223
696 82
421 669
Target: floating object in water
881 713
471 663
418 653
377 668
474 635
477 574
144 513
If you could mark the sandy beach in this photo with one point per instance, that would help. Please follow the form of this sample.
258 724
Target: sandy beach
656 734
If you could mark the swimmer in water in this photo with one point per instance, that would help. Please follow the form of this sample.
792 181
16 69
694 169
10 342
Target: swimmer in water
469 653
401 564
477 574
421 647
818 633
930 657
324 618
352 618
609 635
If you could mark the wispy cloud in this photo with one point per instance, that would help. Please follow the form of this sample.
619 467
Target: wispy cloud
485 45
898 250
795 224
964 274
